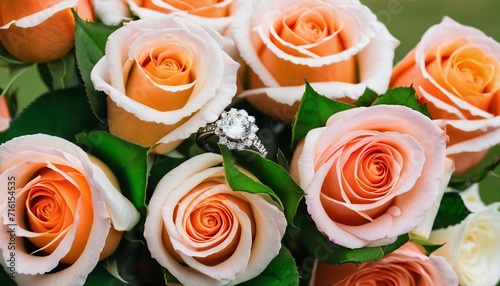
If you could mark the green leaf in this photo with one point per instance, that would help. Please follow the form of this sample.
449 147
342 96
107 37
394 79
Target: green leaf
60 73
314 111
462 182
240 181
452 210
281 271
161 166
101 277
282 160
63 113
405 96
429 247
6 278
128 161
90 43
367 98
275 177
324 250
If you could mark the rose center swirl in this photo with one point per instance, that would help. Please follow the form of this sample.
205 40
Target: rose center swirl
209 220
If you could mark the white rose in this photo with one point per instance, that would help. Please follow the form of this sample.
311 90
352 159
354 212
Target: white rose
472 247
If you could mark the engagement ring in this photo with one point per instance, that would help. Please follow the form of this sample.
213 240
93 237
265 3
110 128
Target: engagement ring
235 129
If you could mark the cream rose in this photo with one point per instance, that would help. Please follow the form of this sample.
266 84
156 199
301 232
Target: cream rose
63 207
372 174
4 114
40 31
472 246
164 78
408 265
205 233
213 14
112 12
337 45
456 70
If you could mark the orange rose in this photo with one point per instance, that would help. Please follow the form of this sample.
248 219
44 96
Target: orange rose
40 31
408 265
64 208
214 14
337 46
456 70
164 78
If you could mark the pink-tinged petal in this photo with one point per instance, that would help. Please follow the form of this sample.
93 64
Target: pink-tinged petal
425 228
39 17
324 223
332 182
405 266
306 162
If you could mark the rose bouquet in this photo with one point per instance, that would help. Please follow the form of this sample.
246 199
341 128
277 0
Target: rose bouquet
260 142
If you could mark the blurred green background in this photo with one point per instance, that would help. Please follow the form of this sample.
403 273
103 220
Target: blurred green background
407 20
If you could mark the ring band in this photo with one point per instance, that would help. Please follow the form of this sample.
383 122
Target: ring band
235 129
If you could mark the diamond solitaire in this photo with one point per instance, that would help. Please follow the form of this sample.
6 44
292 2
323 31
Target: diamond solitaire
235 129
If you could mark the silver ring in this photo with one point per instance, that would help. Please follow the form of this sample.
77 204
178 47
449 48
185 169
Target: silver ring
235 129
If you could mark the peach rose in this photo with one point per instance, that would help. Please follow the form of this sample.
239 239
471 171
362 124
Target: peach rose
40 31
472 246
204 233
408 265
4 114
456 70
337 45
61 211
214 14
372 174
165 78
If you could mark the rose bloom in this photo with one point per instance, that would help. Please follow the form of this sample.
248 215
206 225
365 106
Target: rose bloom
61 211
372 174
164 78
456 70
407 266
4 114
338 46
205 233
40 31
472 246
214 14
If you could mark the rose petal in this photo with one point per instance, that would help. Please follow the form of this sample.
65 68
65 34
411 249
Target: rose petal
446 29
40 16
